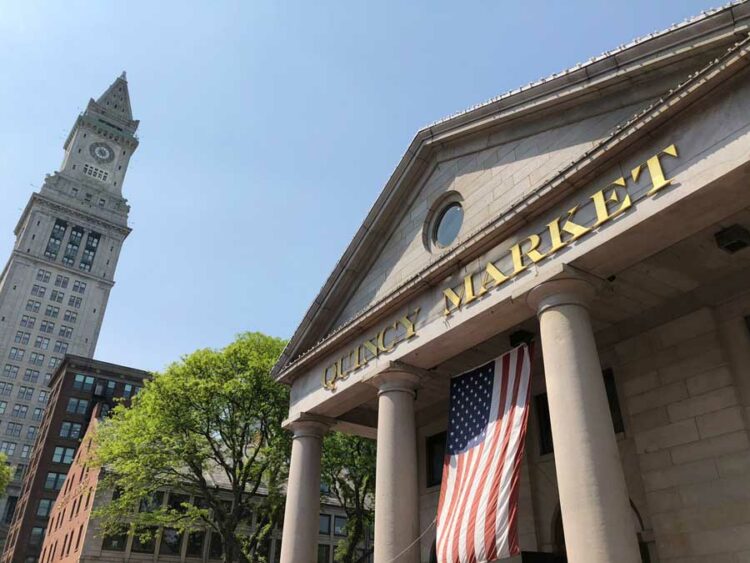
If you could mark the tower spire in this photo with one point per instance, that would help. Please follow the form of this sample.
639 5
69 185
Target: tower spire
116 99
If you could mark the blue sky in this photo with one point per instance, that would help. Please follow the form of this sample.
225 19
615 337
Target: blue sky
267 131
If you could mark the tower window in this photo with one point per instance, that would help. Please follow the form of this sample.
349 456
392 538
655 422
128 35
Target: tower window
95 172
43 275
55 239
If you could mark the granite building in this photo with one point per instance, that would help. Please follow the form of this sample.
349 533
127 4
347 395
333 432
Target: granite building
55 286
79 388
604 213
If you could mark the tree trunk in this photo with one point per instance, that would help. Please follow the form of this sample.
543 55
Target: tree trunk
232 549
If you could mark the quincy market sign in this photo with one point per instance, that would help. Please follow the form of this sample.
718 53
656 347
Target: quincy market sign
609 202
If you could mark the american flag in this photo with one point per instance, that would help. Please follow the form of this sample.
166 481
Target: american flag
478 508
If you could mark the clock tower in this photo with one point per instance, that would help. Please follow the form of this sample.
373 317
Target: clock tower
55 286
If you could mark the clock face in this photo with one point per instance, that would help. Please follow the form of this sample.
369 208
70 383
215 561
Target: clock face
102 152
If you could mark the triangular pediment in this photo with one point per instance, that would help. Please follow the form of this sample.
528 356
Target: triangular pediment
492 157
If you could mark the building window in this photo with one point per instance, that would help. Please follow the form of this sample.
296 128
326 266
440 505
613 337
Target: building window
57 296
43 275
19 411
115 542
16 354
171 542
31 432
65 331
77 406
31 375
144 545
79 287
5 389
22 337
25 451
324 553
70 316
55 239
38 291
339 525
70 430
54 481
37 414
42 396
20 471
52 311
614 403
127 391
36 359
8 448
45 507
47 326
10 371
27 321
54 362
41 342
435 450
195 543
4 405
33 306
13 429
10 508
545 426
61 281
448 224
324 525
74 302
63 455
99 174
61 347
215 548
89 252
83 382
36 537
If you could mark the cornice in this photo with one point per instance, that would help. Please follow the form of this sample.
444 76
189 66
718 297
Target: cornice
518 214
44 201
79 273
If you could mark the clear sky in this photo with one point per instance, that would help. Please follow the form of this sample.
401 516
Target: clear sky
267 131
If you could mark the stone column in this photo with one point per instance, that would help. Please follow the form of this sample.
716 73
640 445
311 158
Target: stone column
300 533
594 499
396 492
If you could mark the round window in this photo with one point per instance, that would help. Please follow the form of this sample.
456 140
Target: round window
448 224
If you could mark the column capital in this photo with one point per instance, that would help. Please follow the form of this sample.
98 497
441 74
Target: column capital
398 377
569 289
309 425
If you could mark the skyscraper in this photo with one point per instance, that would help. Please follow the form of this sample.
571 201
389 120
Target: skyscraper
55 286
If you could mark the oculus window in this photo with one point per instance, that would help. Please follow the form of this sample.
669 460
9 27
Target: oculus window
448 224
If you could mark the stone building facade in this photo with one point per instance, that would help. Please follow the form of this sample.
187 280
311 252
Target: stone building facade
55 286
603 213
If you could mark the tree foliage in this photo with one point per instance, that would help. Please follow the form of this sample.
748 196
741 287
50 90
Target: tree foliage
210 426
348 467
6 474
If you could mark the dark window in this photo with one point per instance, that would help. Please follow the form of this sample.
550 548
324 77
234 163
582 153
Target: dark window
151 503
37 535
171 541
339 525
115 543
55 239
614 403
215 548
324 553
195 543
44 507
324 527
145 544
176 501
10 508
545 426
435 449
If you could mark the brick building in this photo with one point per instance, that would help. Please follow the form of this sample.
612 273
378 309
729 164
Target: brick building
78 387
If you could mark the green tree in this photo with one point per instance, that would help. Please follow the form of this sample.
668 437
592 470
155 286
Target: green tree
6 473
348 468
208 425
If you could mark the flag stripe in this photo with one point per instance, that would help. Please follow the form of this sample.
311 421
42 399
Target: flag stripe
488 411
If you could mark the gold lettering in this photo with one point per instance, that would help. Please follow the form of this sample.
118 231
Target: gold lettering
372 348
492 275
381 339
409 325
653 165
451 298
601 202
330 383
574 229
469 295
517 253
